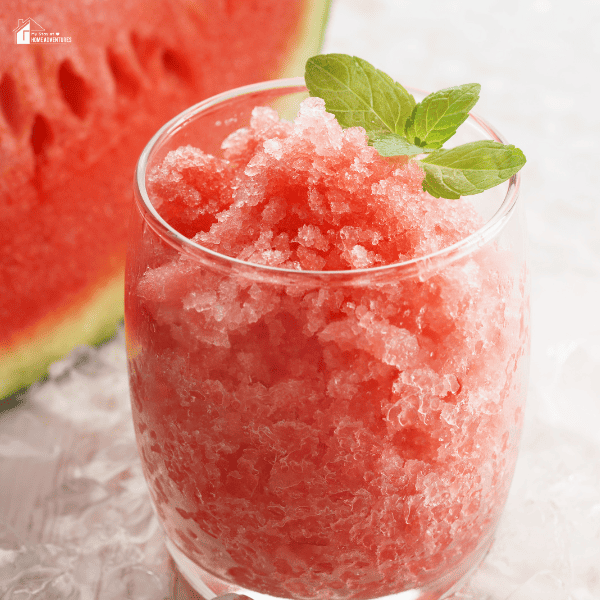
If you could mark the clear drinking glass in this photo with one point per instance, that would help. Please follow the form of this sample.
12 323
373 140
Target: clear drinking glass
290 449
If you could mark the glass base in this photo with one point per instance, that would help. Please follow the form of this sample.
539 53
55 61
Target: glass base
211 587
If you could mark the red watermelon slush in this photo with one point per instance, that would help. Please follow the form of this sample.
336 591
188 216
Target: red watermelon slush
327 376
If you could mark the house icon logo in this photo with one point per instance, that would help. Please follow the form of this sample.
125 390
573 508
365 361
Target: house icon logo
24 30
29 31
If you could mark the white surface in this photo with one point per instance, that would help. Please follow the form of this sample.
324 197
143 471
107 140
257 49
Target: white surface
75 522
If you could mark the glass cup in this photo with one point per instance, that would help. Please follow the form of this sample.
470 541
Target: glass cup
314 434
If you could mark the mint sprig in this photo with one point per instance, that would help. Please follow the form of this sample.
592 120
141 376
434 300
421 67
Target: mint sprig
358 94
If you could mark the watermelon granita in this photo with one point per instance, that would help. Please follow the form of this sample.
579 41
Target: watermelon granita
327 364
74 118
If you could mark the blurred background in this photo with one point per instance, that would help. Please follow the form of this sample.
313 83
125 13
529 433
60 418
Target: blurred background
538 62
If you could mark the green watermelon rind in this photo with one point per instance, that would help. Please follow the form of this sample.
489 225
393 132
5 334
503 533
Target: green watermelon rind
88 324
310 38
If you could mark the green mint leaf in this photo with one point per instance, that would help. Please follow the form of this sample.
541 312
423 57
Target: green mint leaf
357 93
470 168
392 144
436 119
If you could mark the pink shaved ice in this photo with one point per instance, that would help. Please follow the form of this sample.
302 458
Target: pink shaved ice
308 195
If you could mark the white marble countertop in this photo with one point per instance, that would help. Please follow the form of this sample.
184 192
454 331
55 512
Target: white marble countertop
539 65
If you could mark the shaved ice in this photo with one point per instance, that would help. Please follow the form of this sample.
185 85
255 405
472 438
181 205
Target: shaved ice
313 421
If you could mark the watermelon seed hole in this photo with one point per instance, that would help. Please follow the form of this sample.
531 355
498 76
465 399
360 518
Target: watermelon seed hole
144 48
11 107
74 89
41 135
174 63
126 82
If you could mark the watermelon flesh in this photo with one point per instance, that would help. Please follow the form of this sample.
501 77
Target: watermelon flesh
313 436
74 118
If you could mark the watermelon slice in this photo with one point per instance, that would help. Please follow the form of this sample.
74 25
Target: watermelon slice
74 117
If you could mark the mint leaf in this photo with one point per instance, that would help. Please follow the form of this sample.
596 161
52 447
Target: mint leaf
436 119
357 93
392 144
470 168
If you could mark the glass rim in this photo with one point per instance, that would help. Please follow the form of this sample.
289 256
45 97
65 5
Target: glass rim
415 266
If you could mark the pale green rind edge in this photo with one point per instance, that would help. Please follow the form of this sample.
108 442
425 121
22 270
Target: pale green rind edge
91 323
309 38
